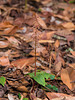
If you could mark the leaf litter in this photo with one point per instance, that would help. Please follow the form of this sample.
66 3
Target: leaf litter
49 23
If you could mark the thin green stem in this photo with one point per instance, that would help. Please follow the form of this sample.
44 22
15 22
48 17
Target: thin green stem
25 4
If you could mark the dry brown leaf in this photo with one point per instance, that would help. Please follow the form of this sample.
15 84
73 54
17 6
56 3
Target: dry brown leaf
46 36
62 17
46 41
58 66
68 25
4 61
59 96
39 49
65 78
71 65
44 2
41 22
56 44
4 44
21 63
14 42
71 72
5 24
22 88
10 31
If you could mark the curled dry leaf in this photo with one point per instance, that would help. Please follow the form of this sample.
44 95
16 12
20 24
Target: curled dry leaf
4 61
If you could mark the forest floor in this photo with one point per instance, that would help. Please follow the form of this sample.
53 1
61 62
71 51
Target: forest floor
37 50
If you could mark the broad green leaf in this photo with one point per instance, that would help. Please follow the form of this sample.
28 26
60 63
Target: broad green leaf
37 73
49 86
2 80
46 75
31 74
40 79
52 77
54 88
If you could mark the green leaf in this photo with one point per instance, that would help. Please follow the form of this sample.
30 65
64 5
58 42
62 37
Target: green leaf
40 79
25 98
72 1
52 77
19 95
52 87
31 74
49 86
2 80
46 75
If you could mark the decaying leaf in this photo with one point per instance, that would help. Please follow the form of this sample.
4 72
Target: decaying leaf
59 96
46 36
66 76
21 63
